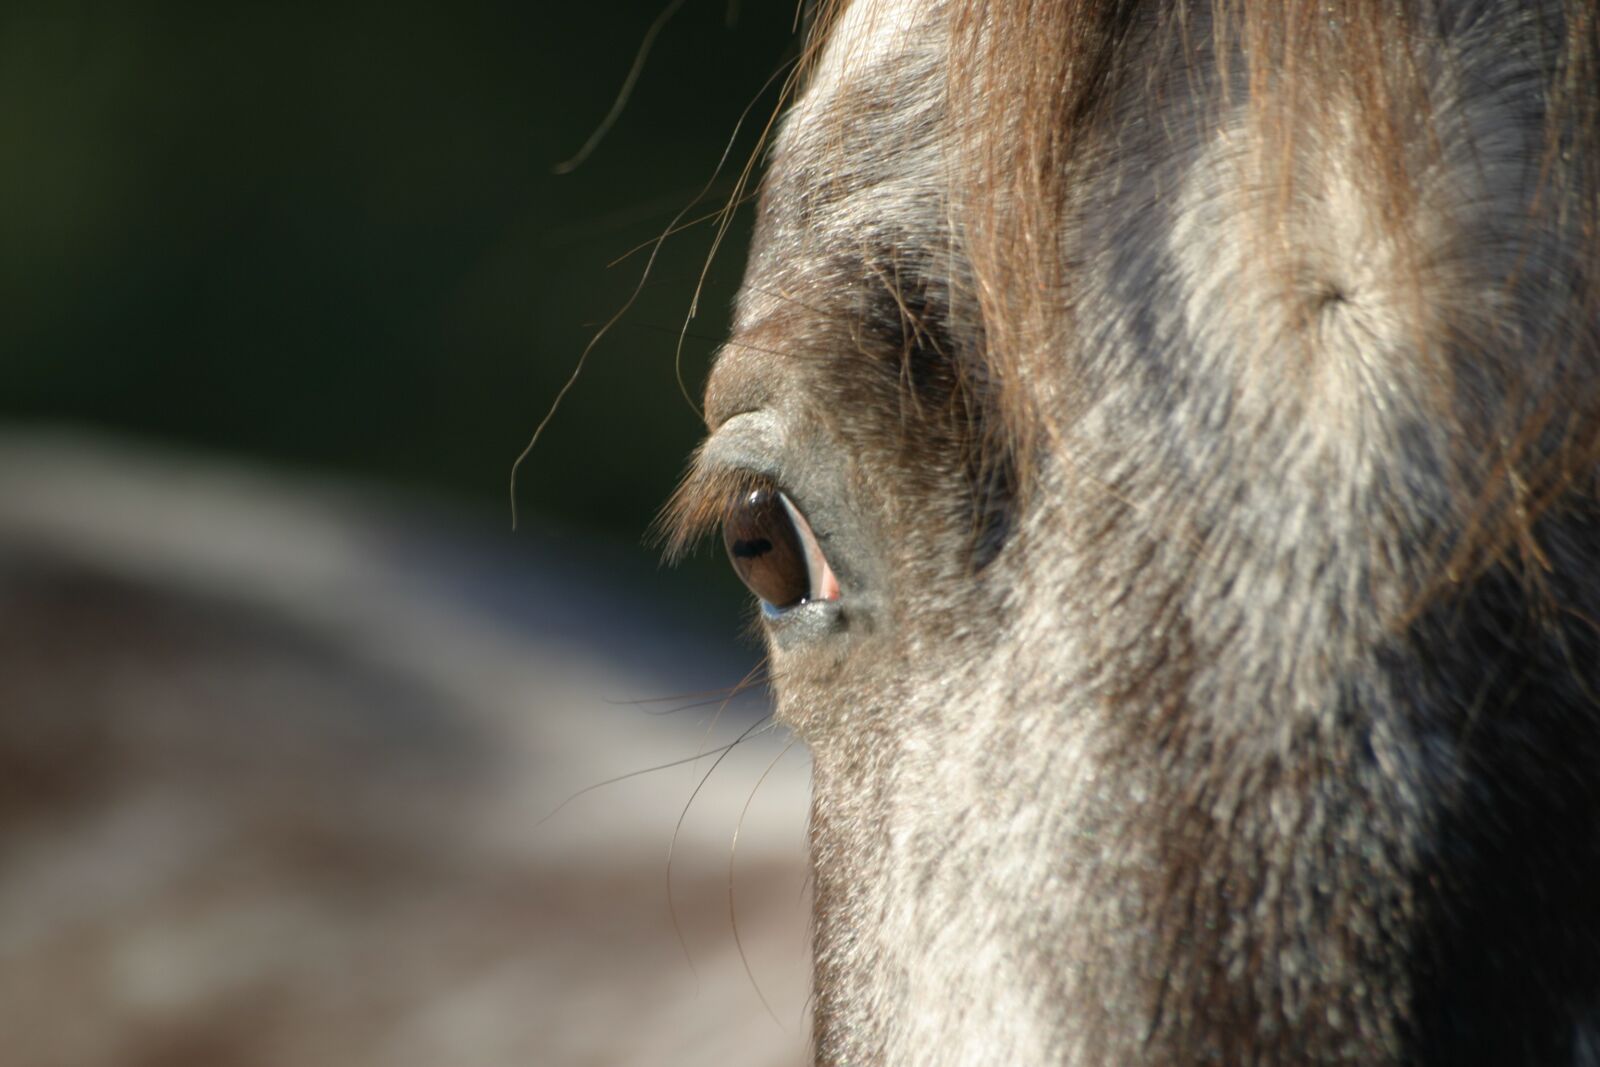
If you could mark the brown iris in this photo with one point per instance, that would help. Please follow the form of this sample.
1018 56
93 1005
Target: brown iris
766 548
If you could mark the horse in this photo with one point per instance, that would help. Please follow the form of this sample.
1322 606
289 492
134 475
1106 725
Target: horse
1162 440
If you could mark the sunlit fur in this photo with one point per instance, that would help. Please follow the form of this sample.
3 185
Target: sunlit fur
1198 403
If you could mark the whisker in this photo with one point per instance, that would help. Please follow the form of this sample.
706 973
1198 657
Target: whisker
699 755
633 297
809 1003
681 227
699 703
623 94
672 846
738 198
733 915
719 690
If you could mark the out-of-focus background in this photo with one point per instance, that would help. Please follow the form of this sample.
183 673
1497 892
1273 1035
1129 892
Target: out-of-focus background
284 701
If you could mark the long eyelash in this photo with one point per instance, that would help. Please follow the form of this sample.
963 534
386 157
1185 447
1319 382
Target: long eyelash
698 505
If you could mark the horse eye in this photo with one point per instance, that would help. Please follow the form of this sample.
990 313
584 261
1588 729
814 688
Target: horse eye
774 551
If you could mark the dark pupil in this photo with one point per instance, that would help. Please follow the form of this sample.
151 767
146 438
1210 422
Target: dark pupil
765 548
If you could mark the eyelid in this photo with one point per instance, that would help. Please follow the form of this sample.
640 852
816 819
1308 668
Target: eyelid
749 441
751 445
741 452
756 448
748 448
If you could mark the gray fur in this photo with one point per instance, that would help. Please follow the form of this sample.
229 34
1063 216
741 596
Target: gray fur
1188 761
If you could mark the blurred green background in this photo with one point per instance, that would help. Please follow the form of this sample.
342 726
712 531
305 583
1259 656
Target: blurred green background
331 237
282 749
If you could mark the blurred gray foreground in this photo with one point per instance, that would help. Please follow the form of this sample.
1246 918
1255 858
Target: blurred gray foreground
272 760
